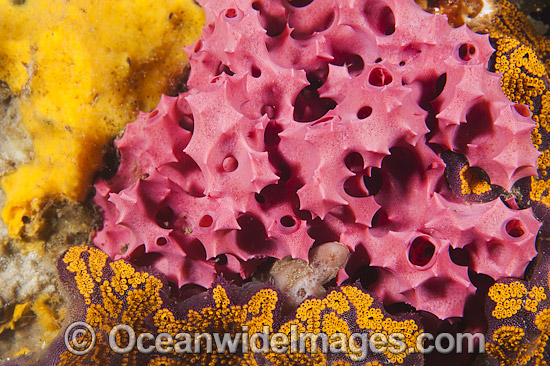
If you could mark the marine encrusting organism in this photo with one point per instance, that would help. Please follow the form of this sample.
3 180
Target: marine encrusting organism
325 121
83 70
519 318
106 293
298 279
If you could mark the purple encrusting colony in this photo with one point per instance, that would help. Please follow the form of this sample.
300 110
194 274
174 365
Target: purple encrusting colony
307 122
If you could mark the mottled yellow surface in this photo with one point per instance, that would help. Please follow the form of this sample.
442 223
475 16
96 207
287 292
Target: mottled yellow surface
516 341
83 69
471 182
19 311
49 316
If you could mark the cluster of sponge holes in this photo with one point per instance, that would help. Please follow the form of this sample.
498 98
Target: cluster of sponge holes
421 252
275 24
308 105
164 218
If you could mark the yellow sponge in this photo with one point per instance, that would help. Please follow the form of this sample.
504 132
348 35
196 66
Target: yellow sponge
83 70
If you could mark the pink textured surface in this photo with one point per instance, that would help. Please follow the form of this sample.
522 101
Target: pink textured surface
300 124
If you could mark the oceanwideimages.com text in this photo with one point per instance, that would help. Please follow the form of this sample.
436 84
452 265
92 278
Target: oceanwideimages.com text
80 339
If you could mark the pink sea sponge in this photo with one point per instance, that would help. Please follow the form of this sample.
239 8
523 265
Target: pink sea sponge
435 236
315 121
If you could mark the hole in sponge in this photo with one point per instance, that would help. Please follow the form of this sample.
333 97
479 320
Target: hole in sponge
165 217
440 85
515 228
274 25
206 221
364 112
421 251
271 134
466 51
354 162
367 275
380 218
252 234
403 166
352 61
259 198
187 122
198 46
459 256
380 17
373 183
299 3
318 76
308 107
354 186
230 13
288 221
162 241
221 259
380 77
224 68
255 72
522 109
